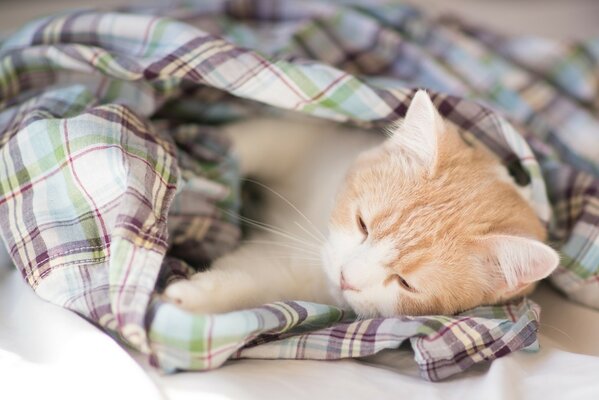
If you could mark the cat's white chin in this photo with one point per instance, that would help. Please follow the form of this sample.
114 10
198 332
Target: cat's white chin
371 302
333 276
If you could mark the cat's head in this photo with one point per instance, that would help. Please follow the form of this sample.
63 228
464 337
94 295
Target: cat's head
426 223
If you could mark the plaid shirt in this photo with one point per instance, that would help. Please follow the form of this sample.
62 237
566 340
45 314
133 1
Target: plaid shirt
113 173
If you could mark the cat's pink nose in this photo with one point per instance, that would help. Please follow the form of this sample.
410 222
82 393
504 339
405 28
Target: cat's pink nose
346 286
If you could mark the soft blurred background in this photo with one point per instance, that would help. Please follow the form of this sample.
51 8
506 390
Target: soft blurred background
552 18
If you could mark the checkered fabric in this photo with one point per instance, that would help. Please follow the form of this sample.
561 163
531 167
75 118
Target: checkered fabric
113 175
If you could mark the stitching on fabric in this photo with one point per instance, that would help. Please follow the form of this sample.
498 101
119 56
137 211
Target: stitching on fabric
64 254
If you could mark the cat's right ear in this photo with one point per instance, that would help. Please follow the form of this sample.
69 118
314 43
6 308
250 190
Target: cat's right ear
416 139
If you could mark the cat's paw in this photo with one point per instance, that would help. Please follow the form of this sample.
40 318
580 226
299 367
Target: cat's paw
194 295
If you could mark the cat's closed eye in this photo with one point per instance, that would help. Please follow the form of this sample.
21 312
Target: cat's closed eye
404 284
362 226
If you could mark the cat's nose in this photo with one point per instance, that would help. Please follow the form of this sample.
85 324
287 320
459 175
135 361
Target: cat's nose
345 285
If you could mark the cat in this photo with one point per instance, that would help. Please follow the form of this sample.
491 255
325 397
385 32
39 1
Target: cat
420 223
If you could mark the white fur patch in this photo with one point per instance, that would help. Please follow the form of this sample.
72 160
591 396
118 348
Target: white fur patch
364 267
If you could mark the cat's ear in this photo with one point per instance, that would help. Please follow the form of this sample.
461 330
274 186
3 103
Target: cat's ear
519 260
416 138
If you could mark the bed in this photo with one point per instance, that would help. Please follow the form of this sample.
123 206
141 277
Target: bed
65 364
76 359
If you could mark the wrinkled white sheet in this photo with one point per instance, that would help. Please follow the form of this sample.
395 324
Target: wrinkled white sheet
47 352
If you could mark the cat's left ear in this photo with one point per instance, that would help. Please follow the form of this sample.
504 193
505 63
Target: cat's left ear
518 261
416 138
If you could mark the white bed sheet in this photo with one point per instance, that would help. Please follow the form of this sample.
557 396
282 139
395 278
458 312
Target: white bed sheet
51 353
47 352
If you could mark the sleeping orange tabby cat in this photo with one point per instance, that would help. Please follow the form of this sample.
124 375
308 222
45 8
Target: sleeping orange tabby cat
422 223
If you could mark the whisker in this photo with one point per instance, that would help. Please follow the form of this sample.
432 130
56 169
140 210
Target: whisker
309 233
253 222
286 255
292 256
288 245
557 330
289 203
268 228
307 261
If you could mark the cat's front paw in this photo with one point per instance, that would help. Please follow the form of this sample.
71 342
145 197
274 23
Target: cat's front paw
194 295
